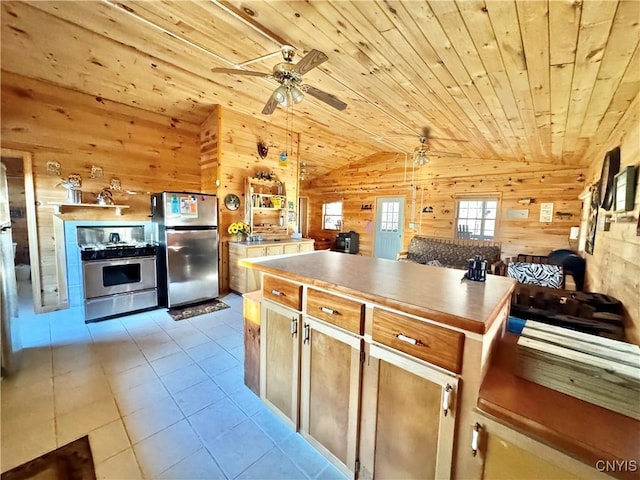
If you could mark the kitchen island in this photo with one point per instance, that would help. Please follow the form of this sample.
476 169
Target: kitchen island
379 364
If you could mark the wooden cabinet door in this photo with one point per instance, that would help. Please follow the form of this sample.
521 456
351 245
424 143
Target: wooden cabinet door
291 248
405 432
237 274
510 455
306 247
275 249
280 360
330 392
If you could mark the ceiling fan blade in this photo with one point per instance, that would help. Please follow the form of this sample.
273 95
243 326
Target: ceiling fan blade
327 98
235 71
443 154
309 61
270 106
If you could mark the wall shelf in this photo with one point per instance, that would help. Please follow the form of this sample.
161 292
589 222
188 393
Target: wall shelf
59 206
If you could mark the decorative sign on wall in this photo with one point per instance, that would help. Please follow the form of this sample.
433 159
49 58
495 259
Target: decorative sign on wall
96 172
115 184
53 168
518 213
546 212
75 180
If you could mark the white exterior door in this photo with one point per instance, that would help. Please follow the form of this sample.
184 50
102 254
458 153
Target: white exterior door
389 227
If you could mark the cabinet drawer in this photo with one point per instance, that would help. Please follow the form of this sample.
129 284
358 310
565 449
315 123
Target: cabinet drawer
255 252
283 292
342 312
437 345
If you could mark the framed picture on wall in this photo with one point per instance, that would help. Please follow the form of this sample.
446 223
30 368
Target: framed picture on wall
625 189
592 221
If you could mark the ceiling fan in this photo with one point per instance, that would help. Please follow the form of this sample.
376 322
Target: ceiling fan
289 76
420 155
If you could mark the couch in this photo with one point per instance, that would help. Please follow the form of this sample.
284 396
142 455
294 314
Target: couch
451 252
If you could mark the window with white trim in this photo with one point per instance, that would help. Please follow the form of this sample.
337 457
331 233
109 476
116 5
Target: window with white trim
332 216
476 218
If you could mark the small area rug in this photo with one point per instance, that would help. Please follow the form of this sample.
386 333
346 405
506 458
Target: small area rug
198 309
72 461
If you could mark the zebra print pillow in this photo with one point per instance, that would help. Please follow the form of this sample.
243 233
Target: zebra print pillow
544 275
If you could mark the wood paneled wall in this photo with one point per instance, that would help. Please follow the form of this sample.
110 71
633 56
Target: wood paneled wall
146 151
438 184
237 156
614 267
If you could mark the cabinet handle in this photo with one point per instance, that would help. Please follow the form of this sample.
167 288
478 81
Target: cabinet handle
412 341
306 333
329 311
278 293
475 434
294 326
446 399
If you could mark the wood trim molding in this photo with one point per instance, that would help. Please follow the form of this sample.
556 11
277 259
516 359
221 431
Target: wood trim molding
32 227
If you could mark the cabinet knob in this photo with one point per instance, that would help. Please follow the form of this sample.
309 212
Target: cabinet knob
446 399
475 436
277 293
412 341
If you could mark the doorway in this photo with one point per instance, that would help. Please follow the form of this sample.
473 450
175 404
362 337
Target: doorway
389 227
23 222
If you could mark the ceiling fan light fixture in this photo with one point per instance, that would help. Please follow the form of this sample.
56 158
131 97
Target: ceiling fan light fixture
281 94
296 94
420 157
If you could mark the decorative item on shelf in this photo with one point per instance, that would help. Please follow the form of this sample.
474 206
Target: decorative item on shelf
239 229
265 175
276 202
53 168
263 149
74 194
115 184
105 197
96 172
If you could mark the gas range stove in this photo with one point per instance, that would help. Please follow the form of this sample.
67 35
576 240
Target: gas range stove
103 251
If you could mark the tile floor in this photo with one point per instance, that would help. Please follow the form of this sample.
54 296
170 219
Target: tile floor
159 399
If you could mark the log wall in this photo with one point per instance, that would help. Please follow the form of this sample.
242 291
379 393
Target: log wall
438 185
146 151
236 138
614 267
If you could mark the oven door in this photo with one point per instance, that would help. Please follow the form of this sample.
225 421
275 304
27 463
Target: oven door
108 277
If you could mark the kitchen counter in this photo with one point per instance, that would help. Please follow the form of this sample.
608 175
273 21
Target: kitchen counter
583 430
433 292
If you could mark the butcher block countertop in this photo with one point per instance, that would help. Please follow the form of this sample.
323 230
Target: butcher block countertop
583 430
436 293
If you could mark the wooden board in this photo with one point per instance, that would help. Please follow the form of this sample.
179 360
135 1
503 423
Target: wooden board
603 373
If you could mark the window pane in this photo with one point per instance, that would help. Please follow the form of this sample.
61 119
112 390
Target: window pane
476 218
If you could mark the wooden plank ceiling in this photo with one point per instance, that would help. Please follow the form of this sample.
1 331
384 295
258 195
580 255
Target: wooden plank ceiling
527 81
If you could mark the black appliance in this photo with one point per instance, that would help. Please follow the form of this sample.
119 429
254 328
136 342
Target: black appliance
347 242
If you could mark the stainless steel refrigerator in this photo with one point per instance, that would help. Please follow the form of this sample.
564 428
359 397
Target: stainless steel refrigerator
186 229
10 344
